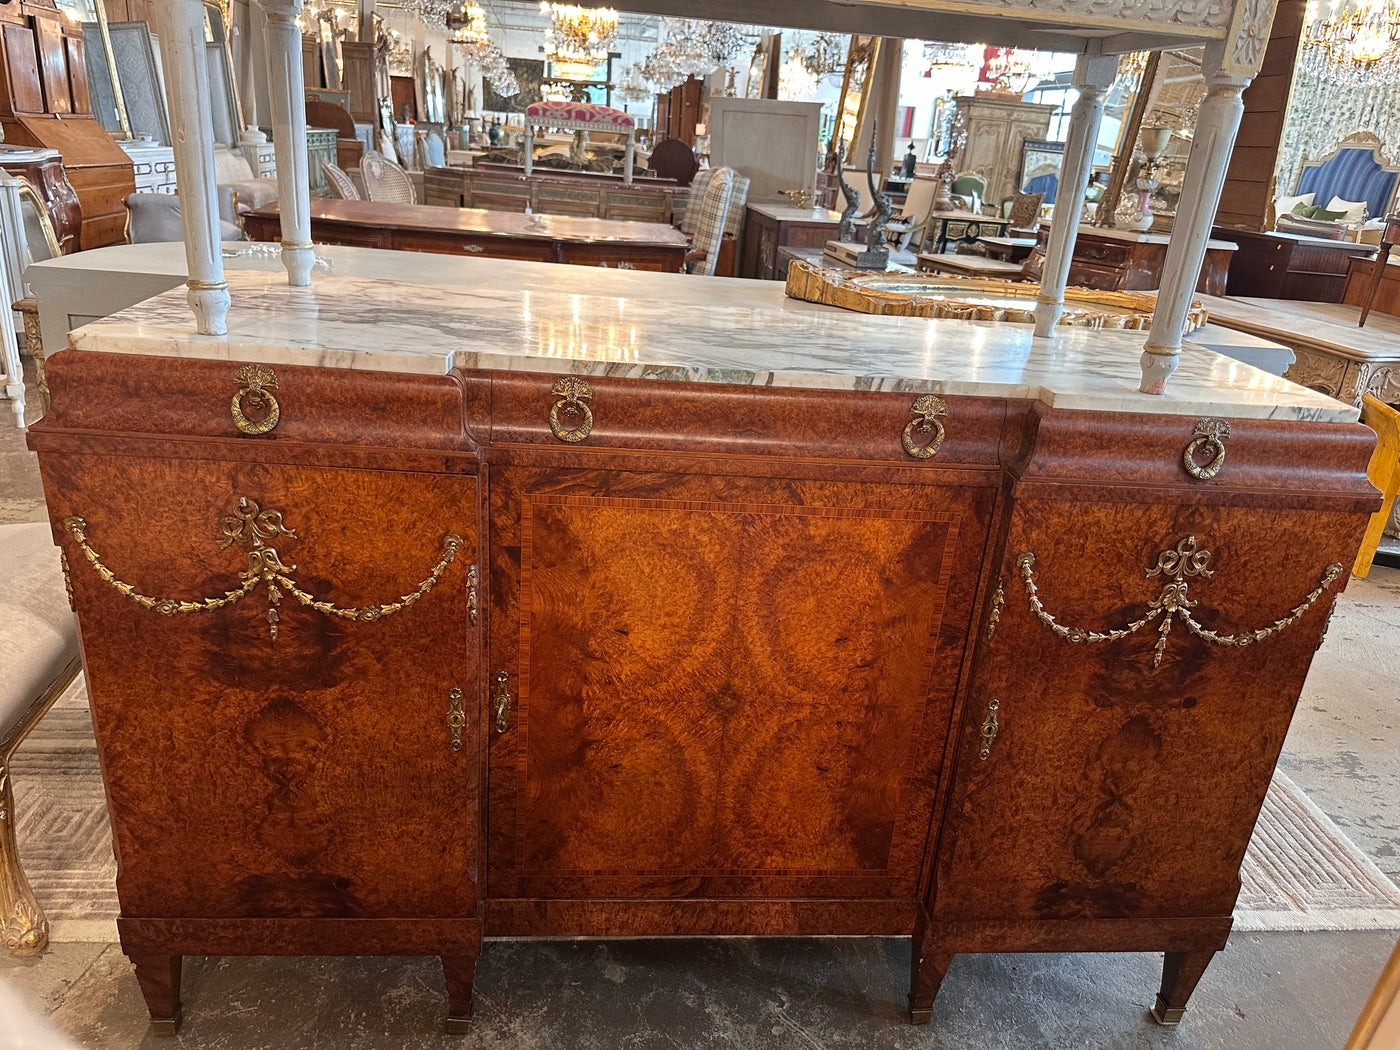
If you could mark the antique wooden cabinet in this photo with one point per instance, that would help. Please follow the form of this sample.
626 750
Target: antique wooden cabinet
383 662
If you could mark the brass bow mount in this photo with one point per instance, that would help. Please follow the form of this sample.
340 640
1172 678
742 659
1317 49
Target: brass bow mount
252 526
1181 564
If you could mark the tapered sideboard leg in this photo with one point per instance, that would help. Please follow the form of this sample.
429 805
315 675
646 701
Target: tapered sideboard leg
1180 973
460 970
928 967
159 978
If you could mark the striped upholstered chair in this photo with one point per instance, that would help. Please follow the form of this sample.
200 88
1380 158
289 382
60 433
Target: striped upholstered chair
1355 171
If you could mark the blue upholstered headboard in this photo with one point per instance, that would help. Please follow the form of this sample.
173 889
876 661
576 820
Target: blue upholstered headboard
1046 184
1353 173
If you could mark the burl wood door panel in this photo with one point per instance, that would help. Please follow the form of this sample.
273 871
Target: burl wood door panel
311 775
1113 789
722 686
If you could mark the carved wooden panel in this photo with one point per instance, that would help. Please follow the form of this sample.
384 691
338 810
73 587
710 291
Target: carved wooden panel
53 65
695 710
309 765
22 70
1114 789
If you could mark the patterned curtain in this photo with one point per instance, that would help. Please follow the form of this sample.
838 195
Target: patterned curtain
1321 114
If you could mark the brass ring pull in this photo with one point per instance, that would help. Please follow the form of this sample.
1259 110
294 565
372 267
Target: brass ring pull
926 412
574 394
990 728
255 382
1210 438
500 701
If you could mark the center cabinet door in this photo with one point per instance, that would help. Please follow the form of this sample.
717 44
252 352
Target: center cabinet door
709 686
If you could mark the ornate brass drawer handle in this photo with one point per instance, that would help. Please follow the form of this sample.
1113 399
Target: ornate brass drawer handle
1186 560
1210 438
456 718
500 701
256 388
990 728
252 526
574 394
927 411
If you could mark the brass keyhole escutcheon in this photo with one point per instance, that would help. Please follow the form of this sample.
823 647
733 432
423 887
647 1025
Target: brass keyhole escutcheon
456 718
927 411
500 701
990 728
574 394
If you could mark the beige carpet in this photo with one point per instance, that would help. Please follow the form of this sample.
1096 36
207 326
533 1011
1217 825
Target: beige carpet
1301 872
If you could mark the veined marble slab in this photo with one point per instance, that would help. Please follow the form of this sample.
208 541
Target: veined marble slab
569 319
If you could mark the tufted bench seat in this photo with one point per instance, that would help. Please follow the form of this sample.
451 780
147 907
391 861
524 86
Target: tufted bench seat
38 661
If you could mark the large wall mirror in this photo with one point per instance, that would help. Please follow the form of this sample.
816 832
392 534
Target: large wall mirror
850 107
108 105
223 91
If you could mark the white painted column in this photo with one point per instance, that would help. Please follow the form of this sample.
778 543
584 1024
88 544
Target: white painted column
1217 121
9 347
287 95
180 24
1092 76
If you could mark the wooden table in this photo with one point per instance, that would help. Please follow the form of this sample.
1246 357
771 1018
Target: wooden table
1277 265
969 266
500 235
1358 286
769 227
1012 249
1109 260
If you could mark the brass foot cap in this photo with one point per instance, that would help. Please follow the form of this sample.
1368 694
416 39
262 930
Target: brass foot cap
166 1025
457 1025
1164 1014
920 1016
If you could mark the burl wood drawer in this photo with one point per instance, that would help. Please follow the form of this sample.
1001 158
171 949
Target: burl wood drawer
721 419
253 401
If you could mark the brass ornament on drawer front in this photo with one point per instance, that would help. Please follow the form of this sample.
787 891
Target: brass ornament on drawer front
1210 439
256 383
998 601
1186 561
927 411
456 718
574 394
249 524
500 701
990 728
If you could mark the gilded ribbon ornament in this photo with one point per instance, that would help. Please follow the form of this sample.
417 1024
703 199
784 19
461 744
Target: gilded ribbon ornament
252 526
1180 564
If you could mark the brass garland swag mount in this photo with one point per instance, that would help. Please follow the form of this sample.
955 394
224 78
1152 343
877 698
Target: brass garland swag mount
253 527
1180 564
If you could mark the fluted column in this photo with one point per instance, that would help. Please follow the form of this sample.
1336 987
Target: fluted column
287 93
1092 76
180 24
1217 121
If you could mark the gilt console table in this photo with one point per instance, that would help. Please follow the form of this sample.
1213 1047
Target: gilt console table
418 614
473 231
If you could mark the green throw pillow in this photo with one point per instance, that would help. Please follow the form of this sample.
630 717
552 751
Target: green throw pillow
1316 211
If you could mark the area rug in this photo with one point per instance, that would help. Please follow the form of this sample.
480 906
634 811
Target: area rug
1300 873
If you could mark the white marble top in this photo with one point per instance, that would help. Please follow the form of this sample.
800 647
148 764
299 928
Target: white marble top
1144 237
787 213
499 314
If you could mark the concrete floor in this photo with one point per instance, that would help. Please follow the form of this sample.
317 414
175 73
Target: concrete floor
1272 991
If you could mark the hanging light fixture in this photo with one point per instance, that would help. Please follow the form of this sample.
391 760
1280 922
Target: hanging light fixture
578 38
659 68
467 24
1358 43
825 54
498 74
952 59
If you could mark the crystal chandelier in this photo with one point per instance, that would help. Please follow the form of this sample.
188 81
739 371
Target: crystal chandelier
433 13
633 87
689 51
824 54
956 59
578 38
659 68
499 75
1357 43
468 26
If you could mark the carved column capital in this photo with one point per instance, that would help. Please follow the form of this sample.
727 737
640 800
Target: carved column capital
281 10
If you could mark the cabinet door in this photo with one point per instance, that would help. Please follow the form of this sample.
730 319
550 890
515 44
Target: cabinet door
311 774
1118 785
721 686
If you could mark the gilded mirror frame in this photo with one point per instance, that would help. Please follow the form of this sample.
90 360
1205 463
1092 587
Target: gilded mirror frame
27 191
854 99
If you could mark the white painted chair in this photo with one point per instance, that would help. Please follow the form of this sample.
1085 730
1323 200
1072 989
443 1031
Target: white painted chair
39 654
384 180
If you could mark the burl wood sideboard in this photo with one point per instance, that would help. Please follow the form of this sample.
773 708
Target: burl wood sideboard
413 616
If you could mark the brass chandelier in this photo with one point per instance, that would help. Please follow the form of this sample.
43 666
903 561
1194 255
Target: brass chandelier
578 38
1358 43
